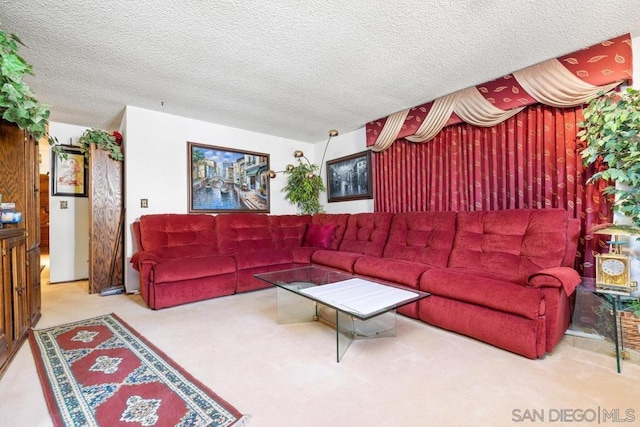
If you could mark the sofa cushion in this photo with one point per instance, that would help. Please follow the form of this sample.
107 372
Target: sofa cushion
185 251
244 232
192 268
394 270
460 284
164 230
573 234
366 233
319 235
425 237
522 241
340 221
336 259
245 260
288 230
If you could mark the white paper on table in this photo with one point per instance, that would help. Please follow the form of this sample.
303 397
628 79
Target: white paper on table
359 295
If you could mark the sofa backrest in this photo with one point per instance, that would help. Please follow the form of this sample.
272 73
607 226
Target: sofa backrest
339 220
425 237
243 232
366 233
517 242
288 230
573 234
159 231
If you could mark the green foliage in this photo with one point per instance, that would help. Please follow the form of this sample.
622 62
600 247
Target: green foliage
101 139
303 188
611 130
634 306
18 103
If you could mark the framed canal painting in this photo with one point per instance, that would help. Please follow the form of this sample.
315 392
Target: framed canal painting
227 180
349 178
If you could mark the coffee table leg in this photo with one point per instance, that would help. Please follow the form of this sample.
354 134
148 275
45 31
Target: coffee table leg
349 329
293 308
345 333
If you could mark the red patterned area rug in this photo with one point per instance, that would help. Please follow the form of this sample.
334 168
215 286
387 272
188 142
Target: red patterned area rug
101 372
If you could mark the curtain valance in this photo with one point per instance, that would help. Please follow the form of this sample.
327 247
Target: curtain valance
567 81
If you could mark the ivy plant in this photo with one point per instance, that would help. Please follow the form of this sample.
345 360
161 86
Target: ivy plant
303 187
103 140
18 103
611 130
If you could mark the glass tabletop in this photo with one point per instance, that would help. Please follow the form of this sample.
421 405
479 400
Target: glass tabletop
361 298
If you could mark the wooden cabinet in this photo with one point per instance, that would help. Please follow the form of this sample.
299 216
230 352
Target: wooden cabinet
105 206
19 243
15 300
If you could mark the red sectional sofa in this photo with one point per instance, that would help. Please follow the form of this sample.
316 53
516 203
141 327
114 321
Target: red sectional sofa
503 277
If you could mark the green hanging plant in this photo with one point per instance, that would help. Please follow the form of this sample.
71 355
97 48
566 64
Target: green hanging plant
611 130
18 103
103 140
303 187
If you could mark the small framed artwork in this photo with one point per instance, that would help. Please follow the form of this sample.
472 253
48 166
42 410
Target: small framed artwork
349 178
227 180
69 176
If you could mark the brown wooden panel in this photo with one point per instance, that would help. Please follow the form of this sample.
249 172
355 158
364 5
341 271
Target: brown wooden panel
20 290
12 166
32 193
105 198
33 285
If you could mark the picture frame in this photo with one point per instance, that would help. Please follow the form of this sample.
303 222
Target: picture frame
69 175
349 178
227 180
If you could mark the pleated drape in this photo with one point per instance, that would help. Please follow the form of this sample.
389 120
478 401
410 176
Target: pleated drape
531 160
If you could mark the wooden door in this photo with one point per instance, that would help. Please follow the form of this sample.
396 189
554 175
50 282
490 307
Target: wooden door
14 252
33 286
5 298
105 205
31 216
44 213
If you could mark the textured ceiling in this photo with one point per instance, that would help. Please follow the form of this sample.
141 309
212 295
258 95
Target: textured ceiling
289 68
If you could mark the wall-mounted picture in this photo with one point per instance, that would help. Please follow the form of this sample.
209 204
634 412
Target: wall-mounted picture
69 176
349 178
227 180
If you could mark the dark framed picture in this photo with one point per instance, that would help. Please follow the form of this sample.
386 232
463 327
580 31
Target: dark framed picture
69 176
349 178
227 180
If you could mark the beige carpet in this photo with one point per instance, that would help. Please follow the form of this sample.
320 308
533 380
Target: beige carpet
286 375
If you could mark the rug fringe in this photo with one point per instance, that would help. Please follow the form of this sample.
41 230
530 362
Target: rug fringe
243 422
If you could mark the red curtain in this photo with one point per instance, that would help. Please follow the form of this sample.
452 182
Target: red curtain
531 160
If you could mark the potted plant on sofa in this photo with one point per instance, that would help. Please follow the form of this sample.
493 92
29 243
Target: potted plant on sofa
611 130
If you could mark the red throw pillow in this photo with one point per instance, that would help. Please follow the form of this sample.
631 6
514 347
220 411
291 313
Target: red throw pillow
318 235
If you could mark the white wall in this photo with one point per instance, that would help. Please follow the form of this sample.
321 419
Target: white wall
155 148
68 228
339 146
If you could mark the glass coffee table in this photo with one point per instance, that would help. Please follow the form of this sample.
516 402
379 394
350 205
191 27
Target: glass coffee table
357 308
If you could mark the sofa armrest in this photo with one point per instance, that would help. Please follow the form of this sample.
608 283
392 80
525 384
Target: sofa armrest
144 256
556 277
